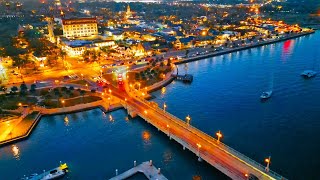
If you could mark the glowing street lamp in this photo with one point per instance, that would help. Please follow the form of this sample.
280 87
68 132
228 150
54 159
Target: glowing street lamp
87 86
188 118
219 135
268 161
164 107
20 104
199 146
145 111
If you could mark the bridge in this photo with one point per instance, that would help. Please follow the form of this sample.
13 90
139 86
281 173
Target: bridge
227 160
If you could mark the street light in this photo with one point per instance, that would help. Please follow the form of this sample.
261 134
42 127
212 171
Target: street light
100 72
268 160
139 84
87 86
164 107
219 135
199 146
145 111
188 118
19 104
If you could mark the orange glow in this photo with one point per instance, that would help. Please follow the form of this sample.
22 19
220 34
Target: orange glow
145 111
199 145
168 126
146 135
267 160
246 175
219 134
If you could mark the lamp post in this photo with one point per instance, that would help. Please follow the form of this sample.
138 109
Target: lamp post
219 135
268 160
164 107
139 86
62 101
188 118
199 146
100 72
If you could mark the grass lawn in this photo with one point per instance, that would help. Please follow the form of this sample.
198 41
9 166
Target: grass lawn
11 101
53 103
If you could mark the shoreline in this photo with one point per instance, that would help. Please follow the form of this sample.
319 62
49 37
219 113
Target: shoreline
102 106
60 111
212 54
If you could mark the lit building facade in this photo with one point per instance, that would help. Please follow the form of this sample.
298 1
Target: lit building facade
81 27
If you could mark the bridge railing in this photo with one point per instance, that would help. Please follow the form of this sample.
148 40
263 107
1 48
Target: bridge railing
222 146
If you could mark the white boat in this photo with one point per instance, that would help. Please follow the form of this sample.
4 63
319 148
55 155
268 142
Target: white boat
52 174
308 73
266 95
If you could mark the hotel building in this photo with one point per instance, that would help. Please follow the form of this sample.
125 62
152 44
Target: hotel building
80 27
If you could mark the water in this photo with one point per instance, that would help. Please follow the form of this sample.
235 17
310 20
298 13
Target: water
223 96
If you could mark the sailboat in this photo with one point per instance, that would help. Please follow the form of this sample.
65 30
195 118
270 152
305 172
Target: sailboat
307 74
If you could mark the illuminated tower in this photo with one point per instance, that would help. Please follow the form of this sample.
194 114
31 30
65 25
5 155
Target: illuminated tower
128 12
50 29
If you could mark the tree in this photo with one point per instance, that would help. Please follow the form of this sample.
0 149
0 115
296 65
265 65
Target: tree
33 88
14 89
82 93
187 52
23 88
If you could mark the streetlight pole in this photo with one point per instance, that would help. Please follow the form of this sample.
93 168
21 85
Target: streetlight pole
268 160
164 107
199 146
188 118
219 135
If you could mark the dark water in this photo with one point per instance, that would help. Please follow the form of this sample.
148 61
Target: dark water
224 96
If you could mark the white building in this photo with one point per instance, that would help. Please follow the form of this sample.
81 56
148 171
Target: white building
80 27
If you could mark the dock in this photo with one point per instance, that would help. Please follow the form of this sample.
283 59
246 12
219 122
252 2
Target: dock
147 168
188 78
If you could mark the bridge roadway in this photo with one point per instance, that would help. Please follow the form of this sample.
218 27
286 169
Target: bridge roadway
230 162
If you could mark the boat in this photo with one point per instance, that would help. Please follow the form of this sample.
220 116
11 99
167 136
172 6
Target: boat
48 175
266 95
308 74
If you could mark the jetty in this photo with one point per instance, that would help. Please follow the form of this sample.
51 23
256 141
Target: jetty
146 168
188 78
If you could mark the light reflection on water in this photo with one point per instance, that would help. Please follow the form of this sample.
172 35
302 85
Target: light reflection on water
16 152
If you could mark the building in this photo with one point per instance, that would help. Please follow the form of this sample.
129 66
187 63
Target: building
50 30
80 27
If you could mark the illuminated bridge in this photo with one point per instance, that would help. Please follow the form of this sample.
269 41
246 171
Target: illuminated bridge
229 161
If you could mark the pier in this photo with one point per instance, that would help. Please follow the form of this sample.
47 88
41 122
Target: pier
147 168
188 78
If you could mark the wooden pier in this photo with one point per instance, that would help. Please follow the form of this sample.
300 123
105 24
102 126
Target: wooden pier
146 168
188 78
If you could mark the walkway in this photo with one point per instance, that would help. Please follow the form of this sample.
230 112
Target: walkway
146 168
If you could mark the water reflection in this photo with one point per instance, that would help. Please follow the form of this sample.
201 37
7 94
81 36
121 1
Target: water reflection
16 152
111 118
167 157
66 121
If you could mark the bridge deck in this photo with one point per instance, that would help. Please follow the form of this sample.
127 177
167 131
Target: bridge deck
229 161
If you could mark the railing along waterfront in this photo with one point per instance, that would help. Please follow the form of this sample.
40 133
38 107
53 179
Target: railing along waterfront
220 145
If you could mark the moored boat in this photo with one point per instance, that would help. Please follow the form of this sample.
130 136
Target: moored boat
48 175
266 95
308 73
